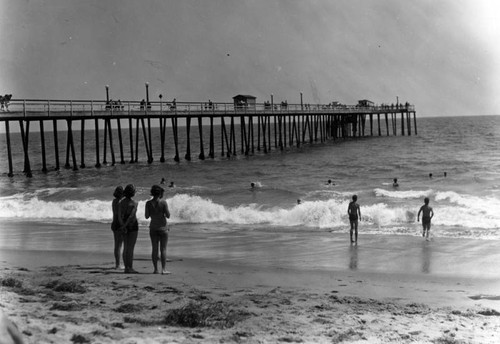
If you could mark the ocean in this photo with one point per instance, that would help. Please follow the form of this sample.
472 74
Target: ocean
212 203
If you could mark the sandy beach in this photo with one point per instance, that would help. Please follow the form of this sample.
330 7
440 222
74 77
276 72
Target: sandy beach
52 299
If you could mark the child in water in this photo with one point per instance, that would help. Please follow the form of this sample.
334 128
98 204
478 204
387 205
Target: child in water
354 216
427 215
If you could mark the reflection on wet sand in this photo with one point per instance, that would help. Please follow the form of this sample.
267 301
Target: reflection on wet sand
353 257
426 257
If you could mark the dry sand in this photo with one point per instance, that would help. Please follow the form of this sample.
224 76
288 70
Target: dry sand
207 302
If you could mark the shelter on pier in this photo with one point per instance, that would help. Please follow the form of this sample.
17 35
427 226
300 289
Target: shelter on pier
244 101
365 103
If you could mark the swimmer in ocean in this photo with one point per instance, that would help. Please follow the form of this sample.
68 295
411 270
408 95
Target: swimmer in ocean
395 184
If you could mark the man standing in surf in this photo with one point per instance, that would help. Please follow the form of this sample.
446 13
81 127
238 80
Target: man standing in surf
427 214
354 213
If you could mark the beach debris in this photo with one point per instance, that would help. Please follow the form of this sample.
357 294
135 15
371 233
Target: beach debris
129 308
205 314
66 286
67 306
489 312
11 282
78 338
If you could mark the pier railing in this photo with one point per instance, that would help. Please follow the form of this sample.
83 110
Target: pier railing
48 108
239 128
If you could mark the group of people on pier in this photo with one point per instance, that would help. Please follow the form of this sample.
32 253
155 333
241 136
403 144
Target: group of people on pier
5 101
114 104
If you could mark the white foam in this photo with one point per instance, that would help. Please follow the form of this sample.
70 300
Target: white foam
452 210
410 194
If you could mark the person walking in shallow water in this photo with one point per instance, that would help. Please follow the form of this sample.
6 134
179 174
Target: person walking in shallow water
427 215
157 210
115 227
354 213
127 210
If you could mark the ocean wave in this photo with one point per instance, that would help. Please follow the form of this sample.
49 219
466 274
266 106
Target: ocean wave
410 194
456 211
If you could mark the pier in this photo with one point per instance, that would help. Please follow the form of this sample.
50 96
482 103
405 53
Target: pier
244 128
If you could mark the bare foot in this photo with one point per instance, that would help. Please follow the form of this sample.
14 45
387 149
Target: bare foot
131 271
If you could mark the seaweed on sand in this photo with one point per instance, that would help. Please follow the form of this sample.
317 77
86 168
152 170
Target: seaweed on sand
66 286
205 314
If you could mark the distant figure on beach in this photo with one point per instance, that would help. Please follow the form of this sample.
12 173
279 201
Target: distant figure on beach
445 174
427 215
252 185
329 182
299 201
171 185
395 183
115 227
354 213
430 175
163 181
129 226
157 210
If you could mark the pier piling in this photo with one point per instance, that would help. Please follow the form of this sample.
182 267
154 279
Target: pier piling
286 125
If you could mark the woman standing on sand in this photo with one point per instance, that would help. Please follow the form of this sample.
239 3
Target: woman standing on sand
115 226
127 210
157 210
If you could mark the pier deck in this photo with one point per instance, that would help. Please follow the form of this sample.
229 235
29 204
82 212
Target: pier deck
260 125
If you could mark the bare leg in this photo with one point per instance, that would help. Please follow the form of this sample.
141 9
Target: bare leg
154 252
128 251
118 236
163 252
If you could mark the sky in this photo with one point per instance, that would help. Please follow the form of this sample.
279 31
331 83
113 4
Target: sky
442 56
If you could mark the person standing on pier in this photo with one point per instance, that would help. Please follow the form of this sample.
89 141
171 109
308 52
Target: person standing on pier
129 226
354 213
115 227
157 210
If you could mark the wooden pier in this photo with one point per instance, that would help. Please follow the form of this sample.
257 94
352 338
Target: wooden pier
262 127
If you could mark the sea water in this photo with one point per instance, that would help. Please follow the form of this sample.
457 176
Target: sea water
213 197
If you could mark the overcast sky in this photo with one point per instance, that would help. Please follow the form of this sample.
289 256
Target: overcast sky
443 56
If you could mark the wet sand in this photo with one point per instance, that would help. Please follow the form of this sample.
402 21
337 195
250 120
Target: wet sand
387 289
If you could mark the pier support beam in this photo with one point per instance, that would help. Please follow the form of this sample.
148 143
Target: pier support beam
82 144
9 149
42 139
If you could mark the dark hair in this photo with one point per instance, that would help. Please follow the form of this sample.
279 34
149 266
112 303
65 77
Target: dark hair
426 200
129 191
118 192
355 198
156 191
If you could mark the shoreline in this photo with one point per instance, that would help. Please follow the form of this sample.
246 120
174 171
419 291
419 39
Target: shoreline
257 287
266 304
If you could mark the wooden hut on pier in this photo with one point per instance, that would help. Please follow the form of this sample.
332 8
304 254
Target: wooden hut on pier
244 101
